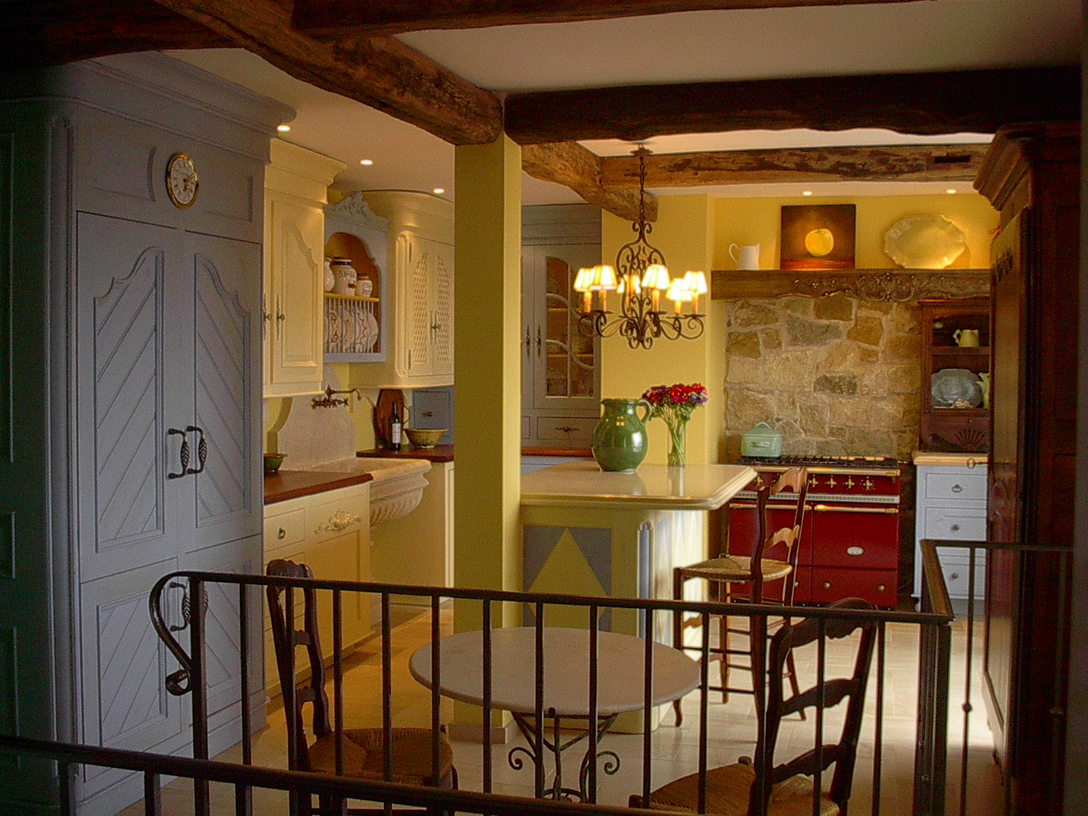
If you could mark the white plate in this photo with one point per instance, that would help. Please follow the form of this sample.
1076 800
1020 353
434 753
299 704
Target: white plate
334 328
371 332
349 332
952 384
924 242
362 332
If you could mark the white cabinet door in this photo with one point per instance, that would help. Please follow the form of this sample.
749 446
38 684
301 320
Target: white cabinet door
294 251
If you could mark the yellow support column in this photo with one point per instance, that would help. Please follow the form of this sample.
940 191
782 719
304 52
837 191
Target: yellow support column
487 397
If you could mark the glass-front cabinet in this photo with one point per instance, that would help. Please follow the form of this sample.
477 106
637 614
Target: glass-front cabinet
560 365
955 410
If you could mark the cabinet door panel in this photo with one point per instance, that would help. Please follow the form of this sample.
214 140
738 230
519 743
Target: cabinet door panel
125 701
296 298
124 379
226 385
419 305
442 308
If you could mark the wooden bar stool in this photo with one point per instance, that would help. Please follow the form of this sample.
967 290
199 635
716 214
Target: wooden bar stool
735 578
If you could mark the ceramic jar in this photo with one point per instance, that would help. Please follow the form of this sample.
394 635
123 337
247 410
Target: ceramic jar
345 276
619 440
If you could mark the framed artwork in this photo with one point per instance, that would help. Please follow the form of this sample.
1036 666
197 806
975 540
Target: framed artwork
817 237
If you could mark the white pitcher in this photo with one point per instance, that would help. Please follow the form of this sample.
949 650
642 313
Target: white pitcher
746 256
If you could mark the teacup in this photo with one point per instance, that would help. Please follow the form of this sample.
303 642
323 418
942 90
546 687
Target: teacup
966 338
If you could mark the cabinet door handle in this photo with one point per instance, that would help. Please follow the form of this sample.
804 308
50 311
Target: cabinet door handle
201 449
282 534
280 316
528 342
539 345
856 552
880 587
184 454
827 585
266 316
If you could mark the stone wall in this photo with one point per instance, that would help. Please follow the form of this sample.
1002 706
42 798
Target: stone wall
835 375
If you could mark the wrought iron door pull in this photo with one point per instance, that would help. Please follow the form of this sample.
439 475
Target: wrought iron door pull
184 454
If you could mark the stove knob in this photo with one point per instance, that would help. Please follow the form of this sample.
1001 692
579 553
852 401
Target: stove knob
813 483
849 483
867 483
831 483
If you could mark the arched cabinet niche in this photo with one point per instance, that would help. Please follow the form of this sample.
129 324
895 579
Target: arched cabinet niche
356 326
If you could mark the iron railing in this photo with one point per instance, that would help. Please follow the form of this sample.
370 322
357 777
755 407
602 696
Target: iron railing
931 714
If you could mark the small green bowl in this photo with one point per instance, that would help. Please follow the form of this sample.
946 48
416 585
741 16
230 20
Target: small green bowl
272 462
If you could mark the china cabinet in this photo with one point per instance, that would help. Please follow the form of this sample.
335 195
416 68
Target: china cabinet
356 324
132 440
295 186
1031 174
955 413
560 375
419 328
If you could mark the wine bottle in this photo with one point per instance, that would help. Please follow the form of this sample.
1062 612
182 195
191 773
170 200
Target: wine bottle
395 428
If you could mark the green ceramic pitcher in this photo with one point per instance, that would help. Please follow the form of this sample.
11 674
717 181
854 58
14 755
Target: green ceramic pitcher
619 440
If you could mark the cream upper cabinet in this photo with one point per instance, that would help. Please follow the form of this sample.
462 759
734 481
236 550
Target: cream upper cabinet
296 184
420 255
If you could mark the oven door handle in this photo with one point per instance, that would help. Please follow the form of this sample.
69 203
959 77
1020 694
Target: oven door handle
839 508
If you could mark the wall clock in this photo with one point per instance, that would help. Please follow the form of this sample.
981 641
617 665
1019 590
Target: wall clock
182 183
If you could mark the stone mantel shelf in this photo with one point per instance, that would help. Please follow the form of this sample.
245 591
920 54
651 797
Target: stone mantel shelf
897 285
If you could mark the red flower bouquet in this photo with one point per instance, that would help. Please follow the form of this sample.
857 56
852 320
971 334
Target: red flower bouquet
675 404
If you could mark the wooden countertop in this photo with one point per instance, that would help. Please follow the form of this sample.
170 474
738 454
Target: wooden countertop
439 453
291 484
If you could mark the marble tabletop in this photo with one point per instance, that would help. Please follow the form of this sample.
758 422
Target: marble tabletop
566 670
584 484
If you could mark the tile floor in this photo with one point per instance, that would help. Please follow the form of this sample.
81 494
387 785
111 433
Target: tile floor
674 750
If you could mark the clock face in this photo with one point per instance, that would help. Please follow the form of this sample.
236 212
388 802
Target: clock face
182 183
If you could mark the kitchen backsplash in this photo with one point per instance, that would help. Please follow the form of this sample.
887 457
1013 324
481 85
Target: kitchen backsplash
835 375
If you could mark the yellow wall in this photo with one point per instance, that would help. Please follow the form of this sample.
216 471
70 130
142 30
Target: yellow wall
758 221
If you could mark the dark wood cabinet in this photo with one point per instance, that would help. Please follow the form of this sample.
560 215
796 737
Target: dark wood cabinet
1031 174
955 413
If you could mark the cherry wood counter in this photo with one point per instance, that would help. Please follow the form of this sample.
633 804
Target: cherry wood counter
291 484
439 453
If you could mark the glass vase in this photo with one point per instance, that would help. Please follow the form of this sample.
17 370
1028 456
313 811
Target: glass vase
678 454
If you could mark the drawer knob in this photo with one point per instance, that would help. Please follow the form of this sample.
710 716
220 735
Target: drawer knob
880 587
957 489
855 551
282 534
827 585
955 528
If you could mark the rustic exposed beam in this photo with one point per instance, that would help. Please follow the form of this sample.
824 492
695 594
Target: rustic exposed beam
800 165
382 72
62 31
333 18
894 285
950 102
570 164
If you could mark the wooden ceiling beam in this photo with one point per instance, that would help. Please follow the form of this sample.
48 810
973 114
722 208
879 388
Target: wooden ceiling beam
934 103
798 165
63 31
573 166
381 72
334 18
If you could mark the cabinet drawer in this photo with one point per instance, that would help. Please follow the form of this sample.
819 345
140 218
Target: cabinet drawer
957 574
876 586
955 524
565 429
969 486
284 528
846 537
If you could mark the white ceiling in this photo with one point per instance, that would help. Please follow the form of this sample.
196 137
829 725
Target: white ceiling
928 35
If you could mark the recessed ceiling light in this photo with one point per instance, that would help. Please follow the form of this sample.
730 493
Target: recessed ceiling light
283 128
366 162
439 190
807 193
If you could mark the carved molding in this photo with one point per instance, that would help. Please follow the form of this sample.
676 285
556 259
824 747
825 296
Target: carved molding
354 209
891 285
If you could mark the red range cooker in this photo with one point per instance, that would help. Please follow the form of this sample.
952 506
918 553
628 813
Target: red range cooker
850 540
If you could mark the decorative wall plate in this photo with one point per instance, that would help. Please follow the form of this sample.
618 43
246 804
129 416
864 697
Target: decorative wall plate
924 242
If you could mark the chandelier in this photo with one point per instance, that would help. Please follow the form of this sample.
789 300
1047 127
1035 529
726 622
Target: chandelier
639 279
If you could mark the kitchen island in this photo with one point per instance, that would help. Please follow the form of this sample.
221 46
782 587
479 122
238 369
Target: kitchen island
587 532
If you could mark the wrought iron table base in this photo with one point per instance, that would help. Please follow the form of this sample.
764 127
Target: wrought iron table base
556 746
